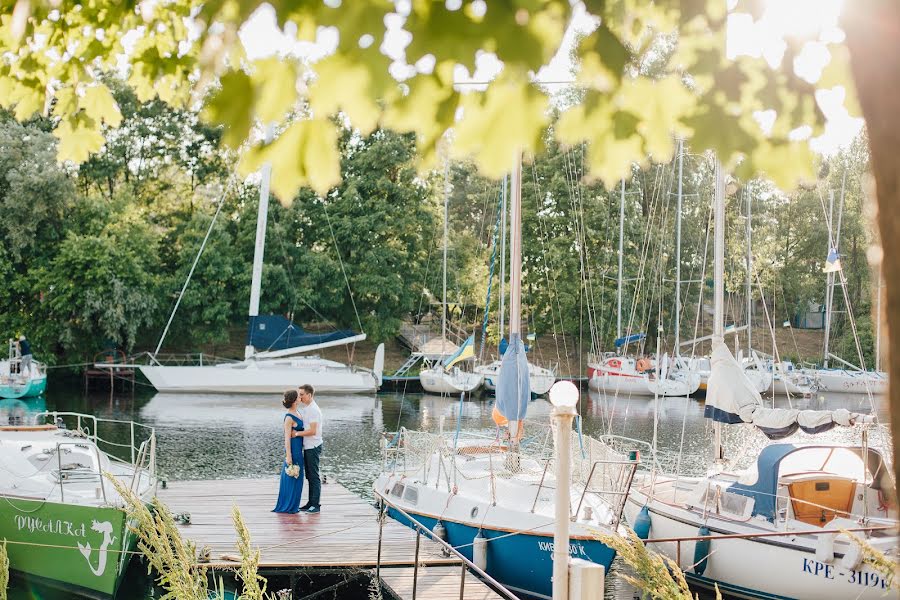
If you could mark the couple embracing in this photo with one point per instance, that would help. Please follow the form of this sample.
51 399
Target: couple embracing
302 450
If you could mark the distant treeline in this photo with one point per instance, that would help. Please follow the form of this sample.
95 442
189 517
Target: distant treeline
95 257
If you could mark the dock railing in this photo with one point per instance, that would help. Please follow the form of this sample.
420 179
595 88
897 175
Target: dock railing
421 529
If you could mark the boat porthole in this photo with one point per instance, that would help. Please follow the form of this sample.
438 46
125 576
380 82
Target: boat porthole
474 512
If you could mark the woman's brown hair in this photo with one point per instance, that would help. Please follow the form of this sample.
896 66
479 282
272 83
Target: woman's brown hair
290 397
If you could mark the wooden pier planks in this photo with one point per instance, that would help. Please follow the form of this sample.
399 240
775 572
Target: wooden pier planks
344 534
436 581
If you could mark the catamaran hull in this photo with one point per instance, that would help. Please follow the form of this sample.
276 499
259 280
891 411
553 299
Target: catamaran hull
70 546
524 562
770 569
249 380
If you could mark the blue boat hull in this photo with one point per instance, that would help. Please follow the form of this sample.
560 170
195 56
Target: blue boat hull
523 562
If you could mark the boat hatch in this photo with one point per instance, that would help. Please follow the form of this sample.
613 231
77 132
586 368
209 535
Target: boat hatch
819 499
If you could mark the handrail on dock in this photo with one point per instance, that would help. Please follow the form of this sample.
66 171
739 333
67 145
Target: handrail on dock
421 529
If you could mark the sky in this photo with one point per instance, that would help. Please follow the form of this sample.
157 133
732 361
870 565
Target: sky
815 20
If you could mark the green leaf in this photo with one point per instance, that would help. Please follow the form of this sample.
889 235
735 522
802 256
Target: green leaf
305 154
276 87
98 104
509 116
348 85
232 106
79 136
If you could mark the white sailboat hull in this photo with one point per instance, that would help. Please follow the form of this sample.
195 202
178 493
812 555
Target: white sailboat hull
540 379
641 385
437 381
780 567
849 382
787 385
262 376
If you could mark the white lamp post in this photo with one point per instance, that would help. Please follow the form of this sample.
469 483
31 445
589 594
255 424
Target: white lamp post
564 397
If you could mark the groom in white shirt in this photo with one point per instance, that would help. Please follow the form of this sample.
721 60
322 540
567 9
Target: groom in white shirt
312 446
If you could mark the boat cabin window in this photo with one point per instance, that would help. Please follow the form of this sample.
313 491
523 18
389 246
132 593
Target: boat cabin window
397 490
819 499
718 500
411 495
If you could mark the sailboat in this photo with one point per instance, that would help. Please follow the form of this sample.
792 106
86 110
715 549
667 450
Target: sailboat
541 378
781 520
16 382
271 358
62 519
443 376
492 497
618 373
848 378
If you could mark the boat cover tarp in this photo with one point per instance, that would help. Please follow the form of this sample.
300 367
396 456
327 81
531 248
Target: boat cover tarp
764 490
513 385
629 339
731 398
274 332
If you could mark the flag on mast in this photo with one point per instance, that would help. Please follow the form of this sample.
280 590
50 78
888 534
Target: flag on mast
467 350
833 262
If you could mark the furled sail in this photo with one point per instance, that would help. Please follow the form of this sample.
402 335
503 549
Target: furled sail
513 386
731 398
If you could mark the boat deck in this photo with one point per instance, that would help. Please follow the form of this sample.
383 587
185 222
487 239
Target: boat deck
343 535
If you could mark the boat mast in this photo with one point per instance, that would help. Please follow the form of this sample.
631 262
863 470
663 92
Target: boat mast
260 248
621 254
503 257
719 281
747 288
834 241
829 278
515 248
678 251
446 229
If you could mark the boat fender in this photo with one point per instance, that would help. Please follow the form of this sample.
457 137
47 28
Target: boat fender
479 551
440 532
825 547
701 552
642 523
853 556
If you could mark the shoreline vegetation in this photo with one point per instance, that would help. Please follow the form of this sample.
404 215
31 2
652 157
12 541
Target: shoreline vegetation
95 257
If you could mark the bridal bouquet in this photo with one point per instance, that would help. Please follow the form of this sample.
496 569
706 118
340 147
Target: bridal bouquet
293 470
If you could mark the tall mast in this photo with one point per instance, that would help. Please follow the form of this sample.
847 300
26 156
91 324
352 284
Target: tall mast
621 254
829 279
678 250
446 219
719 280
878 323
503 216
260 248
747 287
515 249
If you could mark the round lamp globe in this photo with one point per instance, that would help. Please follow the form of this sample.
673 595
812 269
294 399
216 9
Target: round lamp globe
564 394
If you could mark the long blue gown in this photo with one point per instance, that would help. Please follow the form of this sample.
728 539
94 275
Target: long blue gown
291 488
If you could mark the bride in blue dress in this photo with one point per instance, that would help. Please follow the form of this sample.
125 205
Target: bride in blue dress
291 487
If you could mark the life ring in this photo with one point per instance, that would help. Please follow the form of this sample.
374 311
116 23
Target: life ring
643 364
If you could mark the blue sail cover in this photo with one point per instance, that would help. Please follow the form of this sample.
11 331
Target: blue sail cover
629 339
274 332
513 386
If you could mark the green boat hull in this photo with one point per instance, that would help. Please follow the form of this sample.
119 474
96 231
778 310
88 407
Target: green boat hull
63 544
34 387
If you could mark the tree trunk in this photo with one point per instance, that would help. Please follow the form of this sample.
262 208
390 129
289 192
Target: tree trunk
873 28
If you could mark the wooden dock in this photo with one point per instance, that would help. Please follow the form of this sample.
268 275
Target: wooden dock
343 535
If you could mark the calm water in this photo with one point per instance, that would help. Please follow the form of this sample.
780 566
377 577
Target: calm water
210 436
